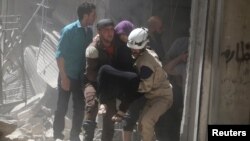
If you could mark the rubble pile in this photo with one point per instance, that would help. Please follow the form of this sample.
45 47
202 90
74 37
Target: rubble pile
32 121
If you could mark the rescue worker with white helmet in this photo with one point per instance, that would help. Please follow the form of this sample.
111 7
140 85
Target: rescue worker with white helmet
153 82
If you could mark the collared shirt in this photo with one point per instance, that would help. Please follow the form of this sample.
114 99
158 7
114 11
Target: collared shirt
72 45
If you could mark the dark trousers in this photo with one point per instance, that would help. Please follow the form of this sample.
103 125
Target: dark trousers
111 84
133 114
115 84
62 107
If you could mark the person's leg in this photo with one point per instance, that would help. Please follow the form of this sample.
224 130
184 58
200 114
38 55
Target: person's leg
127 135
129 90
78 110
107 88
89 123
113 83
62 107
168 126
132 117
91 109
108 124
152 111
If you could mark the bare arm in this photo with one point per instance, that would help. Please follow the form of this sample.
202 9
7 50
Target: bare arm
65 82
169 67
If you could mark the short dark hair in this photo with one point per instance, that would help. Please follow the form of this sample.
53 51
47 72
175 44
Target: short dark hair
85 8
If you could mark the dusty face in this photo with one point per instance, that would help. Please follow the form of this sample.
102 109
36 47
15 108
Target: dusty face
106 34
159 27
155 25
135 53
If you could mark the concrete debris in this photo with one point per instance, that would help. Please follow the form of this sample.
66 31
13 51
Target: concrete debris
33 121
7 127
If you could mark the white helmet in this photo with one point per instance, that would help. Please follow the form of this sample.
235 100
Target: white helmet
138 38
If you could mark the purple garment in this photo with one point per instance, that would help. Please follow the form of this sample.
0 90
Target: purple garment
124 27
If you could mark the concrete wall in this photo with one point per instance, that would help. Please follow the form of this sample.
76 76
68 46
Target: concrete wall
218 84
234 93
195 71
226 78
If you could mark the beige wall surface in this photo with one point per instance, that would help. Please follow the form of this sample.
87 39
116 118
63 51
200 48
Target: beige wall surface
234 93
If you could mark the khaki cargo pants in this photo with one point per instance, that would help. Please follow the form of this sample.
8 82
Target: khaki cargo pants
152 111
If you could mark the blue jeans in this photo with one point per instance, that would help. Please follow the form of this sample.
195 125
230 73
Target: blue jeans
62 107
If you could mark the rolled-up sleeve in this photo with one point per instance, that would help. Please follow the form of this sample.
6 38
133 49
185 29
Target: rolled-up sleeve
91 63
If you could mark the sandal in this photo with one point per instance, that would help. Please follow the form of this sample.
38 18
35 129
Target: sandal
118 117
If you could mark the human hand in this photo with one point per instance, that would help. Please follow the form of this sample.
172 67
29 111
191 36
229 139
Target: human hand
96 38
102 109
118 117
65 83
184 56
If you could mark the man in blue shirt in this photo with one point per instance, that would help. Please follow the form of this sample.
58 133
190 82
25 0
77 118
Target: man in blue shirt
75 37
